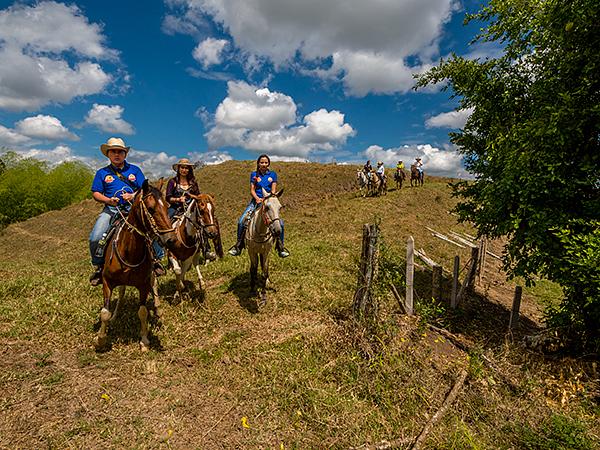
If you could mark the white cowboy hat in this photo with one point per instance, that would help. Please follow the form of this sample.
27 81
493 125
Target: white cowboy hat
379 163
182 162
113 142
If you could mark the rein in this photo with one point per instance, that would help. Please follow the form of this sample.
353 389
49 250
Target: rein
200 227
267 221
148 222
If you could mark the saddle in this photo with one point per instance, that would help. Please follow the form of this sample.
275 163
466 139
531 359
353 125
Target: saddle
115 223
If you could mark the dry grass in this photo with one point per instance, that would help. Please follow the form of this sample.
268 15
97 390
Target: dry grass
299 373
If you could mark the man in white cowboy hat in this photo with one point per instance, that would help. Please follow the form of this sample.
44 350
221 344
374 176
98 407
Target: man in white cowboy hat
419 164
380 171
114 186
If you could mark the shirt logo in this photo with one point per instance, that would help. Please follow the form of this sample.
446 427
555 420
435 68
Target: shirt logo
258 180
109 179
270 179
131 177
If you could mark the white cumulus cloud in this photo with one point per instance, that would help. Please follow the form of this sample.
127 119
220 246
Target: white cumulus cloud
49 54
359 37
11 138
451 119
108 118
260 120
44 127
208 52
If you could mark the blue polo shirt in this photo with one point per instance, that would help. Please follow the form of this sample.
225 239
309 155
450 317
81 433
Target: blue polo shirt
109 184
263 181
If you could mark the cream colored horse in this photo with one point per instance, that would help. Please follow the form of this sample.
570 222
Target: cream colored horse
263 229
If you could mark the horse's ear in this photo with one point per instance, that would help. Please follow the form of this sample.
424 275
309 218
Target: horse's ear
161 183
280 193
145 186
212 197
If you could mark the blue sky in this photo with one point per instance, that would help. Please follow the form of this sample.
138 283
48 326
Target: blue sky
214 80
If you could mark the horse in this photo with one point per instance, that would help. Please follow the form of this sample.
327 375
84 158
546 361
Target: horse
399 177
416 175
193 229
263 229
128 257
379 186
363 182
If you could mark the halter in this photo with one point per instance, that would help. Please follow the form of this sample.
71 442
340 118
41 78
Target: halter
267 221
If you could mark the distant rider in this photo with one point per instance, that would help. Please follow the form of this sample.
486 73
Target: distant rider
380 171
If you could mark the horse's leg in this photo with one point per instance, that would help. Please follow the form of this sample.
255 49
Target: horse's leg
121 296
253 270
156 304
201 283
178 278
102 338
143 315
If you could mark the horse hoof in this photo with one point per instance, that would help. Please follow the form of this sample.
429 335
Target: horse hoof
100 343
105 315
144 346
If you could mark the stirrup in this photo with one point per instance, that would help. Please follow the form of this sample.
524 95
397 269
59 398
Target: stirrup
96 277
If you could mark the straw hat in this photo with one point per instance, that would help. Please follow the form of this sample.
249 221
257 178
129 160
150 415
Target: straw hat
113 142
183 162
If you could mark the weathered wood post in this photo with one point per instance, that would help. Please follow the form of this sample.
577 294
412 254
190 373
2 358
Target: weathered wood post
455 282
470 274
410 272
364 306
516 306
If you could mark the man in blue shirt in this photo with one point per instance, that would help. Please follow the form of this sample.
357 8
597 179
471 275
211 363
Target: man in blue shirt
114 186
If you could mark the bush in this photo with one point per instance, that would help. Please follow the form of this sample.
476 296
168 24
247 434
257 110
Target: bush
29 187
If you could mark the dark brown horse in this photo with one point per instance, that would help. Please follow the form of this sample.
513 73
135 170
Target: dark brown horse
416 175
399 177
128 259
193 229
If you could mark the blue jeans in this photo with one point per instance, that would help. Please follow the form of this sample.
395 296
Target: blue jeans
248 211
102 225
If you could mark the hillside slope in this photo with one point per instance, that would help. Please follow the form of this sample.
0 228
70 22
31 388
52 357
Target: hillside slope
298 373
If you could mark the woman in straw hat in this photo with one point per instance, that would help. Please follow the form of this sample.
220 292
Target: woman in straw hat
184 182
114 186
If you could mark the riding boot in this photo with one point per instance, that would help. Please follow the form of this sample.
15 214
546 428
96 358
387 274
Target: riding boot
236 250
158 268
96 277
281 250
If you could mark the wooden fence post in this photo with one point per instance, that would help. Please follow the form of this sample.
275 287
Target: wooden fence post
410 271
470 274
363 300
455 282
516 306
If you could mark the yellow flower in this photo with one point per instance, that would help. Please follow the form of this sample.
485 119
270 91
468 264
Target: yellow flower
245 422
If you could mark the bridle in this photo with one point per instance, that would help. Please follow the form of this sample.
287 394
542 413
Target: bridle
199 226
148 223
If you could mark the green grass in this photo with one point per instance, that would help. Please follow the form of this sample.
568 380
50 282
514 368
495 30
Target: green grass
301 371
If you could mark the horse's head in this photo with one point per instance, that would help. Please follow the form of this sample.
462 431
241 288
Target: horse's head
205 210
150 209
270 211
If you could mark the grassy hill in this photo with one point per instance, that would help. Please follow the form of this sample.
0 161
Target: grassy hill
299 373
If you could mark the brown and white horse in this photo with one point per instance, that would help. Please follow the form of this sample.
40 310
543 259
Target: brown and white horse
416 175
263 229
128 257
197 224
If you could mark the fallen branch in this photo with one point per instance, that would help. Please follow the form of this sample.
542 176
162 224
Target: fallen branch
430 262
462 240
444 237
460 381
398 298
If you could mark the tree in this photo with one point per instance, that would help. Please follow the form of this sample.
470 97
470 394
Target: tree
533 146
